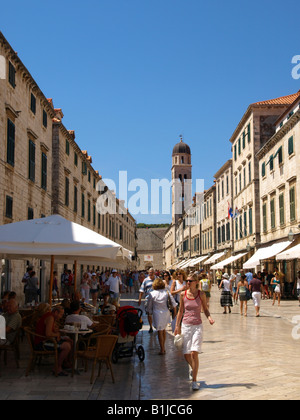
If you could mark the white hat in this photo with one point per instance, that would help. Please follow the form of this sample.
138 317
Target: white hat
94 274
114 271
225 276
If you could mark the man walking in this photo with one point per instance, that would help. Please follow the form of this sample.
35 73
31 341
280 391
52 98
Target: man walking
145 289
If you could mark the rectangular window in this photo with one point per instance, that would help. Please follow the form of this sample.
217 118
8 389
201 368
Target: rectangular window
263 170
44 172
67 147
89 210
31 170
272 212
250 222
245 223
9 207
235 152
241 227
33 103
10 142
75 159
280 157
244 140
244 171
84 168
281 209
67 191
264 213
291 145
12 75
249 172
236 229
45 119
75 199
239 146
271 163
94 215
292 205
249 133
30 213
82 205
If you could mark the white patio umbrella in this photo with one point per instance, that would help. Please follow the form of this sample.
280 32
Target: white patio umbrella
55 237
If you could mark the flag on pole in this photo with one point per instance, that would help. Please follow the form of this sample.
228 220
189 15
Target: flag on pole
230 212
236 213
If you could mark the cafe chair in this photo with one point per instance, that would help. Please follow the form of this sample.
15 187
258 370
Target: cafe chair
38 354
14 347
101 353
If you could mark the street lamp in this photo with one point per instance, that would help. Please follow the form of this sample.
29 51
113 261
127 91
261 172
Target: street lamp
291 234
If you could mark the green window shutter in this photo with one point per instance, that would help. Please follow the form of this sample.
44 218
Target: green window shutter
264 212
263 169
272 210
271 163
235 152
10 142
33 103
31 174
292 204
44 172
281 209
249 133
291 145
250 222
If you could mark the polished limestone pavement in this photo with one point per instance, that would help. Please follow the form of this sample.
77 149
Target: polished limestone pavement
244 358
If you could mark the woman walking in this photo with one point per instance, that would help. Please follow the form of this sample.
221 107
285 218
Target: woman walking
226 296
205 286
158 307
275 282
191 302
242 293
178 286
85 287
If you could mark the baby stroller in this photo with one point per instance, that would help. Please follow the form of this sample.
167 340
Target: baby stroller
129 322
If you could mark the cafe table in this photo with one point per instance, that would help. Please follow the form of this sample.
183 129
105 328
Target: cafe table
75 335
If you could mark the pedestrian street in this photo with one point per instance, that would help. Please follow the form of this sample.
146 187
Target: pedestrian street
243 358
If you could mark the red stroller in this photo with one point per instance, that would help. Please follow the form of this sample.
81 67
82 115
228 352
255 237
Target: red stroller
129 323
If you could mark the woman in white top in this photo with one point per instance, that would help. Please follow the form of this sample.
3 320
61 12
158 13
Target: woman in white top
178 286
85 288
226 296
158 307
168 280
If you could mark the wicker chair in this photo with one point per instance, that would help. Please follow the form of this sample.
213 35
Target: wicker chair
13 347
31 335
102 353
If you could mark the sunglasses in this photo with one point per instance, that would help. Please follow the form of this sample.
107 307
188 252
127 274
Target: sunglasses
190 281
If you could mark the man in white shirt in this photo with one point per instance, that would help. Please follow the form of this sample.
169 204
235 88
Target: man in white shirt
76 317
114 283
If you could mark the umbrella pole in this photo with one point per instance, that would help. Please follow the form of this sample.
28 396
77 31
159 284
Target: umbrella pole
51 280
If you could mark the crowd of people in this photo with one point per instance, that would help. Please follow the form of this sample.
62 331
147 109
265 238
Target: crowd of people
175 299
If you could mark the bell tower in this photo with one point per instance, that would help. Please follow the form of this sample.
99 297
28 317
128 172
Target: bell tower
181 179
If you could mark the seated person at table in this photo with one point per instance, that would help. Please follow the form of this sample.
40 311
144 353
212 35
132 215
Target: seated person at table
4 302
47 327
76 317
13 322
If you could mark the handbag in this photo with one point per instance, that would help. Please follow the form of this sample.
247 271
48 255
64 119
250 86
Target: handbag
170 306
178 341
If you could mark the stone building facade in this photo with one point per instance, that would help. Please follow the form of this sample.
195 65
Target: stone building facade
43 171
150 246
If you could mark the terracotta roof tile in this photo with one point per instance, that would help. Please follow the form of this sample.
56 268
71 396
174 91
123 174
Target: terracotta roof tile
283 100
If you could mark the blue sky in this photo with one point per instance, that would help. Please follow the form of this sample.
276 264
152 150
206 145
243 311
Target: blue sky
132 75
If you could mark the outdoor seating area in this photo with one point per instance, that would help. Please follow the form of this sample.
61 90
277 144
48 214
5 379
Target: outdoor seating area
89 346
